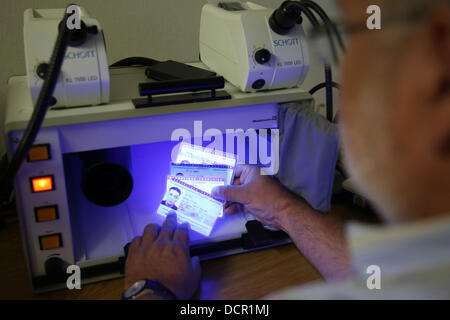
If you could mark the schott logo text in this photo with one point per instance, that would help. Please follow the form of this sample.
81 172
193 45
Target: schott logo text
80 54
286 42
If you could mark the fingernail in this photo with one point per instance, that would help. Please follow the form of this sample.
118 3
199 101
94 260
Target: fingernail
185 225
195 258
215 191
171 215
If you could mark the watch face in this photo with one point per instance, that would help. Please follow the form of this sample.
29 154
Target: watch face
134 289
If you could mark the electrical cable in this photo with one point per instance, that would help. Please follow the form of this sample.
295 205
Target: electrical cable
330 27
329 92
329 112
307 7
304 7
135 61
328 76
326 20
43 102
322 85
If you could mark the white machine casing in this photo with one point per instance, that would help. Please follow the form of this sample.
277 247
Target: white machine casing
84 78
229 41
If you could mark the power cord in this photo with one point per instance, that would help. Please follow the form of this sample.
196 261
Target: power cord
135 61
288 14
9 170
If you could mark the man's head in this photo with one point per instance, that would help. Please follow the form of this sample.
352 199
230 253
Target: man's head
172 196
395 108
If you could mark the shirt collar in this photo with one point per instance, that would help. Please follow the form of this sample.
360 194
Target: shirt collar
399 248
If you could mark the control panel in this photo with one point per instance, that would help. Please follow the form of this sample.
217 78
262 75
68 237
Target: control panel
42 202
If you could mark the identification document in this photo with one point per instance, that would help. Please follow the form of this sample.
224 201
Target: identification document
191 204
193 154
200 170
205 184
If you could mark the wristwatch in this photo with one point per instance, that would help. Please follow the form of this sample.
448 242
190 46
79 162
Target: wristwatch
142 287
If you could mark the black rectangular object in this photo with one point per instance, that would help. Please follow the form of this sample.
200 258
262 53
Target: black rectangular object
257 235
180 99
204 89
180 85
172 70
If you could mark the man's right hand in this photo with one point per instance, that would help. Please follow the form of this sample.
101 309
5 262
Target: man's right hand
319 237
258 194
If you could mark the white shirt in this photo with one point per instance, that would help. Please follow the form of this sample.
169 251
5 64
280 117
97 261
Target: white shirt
413 259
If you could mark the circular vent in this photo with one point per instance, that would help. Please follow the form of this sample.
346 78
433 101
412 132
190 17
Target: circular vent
107 184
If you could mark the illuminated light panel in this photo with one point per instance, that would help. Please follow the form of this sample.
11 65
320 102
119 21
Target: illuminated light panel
41 184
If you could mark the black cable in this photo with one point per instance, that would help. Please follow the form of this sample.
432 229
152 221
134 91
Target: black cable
40 109
303 9
329 92
135 61
328 85
328 75
328 31
326 20
304 6
322 85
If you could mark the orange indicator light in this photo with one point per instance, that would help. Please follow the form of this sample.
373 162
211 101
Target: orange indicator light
42 184
39 153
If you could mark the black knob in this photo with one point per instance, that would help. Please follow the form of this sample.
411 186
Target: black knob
55 268
92 30
106 184
53 101
258 84
78 37
41 70
285 17
262 56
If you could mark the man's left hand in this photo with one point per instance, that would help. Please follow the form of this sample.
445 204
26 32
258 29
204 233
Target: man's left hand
162 254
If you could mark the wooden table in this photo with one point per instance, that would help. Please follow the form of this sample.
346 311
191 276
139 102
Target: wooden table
245 276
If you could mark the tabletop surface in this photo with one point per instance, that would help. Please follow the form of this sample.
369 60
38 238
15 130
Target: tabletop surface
251 275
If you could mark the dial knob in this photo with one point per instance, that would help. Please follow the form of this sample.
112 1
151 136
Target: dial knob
41 70
258 84
55 268
262 56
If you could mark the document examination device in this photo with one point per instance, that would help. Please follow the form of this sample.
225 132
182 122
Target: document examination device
106 140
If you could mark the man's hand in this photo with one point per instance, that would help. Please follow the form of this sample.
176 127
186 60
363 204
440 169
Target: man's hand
258 194
162 254
319 237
